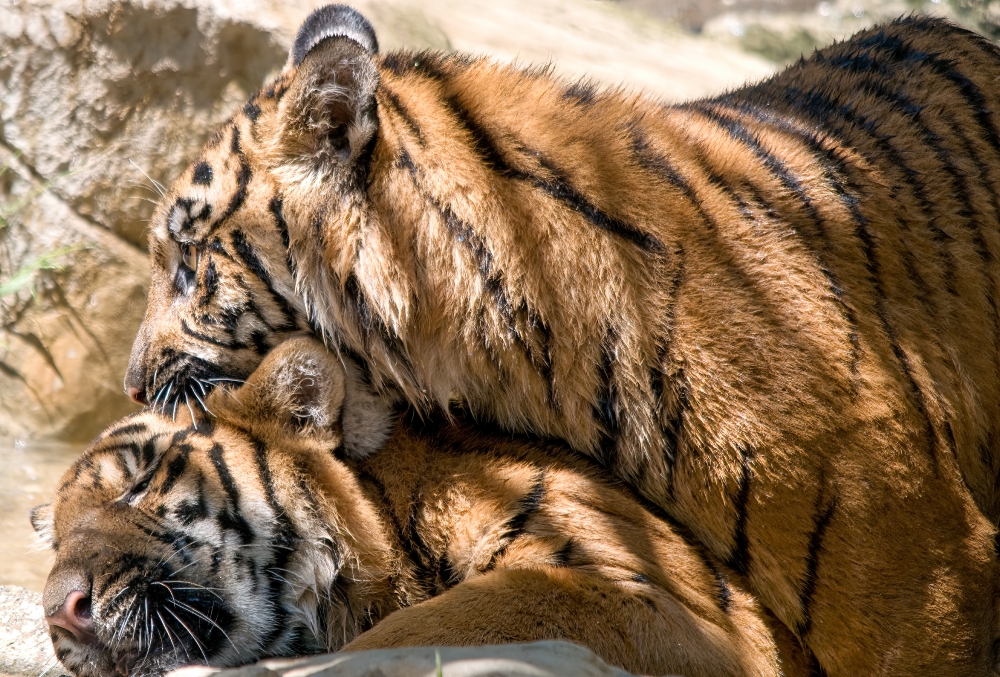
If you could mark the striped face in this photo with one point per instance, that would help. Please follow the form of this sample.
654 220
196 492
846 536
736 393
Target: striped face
224 286
222 291
172 549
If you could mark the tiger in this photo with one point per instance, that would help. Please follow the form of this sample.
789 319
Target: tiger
261 532
771 313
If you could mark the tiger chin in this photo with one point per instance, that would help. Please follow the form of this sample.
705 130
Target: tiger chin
772 313
261 532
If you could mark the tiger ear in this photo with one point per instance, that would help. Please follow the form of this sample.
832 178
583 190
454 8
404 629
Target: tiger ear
42 519
328 114
299 386
313 392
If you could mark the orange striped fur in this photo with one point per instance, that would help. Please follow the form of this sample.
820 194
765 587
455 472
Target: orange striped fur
772 313
254 535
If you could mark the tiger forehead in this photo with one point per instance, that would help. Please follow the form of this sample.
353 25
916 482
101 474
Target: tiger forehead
216 185
135 445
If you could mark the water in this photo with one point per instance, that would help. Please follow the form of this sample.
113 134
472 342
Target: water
29 474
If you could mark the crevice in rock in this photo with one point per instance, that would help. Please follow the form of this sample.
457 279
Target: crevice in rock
15 160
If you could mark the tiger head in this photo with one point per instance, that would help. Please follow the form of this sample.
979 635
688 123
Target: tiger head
223 542
223 288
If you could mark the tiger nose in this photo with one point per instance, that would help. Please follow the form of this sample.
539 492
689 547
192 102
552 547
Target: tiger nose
74 615
137 395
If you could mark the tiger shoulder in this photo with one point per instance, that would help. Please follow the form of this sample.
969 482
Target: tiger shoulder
772 313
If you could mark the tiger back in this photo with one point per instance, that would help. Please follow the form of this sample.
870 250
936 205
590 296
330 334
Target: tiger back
771 313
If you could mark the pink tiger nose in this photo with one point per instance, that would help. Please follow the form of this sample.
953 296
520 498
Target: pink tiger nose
74 615
137 395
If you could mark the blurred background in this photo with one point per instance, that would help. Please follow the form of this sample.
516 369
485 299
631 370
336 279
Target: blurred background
101 99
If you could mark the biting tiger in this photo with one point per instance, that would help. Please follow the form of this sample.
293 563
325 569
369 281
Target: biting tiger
772 313
264 532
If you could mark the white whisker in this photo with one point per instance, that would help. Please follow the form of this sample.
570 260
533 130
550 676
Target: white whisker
202 403
187 403
156 184
184 625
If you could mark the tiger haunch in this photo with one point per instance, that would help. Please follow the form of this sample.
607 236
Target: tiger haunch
773 313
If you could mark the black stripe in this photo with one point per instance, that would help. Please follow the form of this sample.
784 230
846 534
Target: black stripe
411 124
387 509
148 451
190 510
774 165
559 188
175 468
582 92
285 534
127 564
556 185
739 556
815 669
425 563
210 284
133 427
513 528
656 163
372 324
606 404
251 110
524 324
674 409
725 592
242 182
526 507
281 542
231 516
202 174
446 575
249 257
276 207
205 338
564 556
821 520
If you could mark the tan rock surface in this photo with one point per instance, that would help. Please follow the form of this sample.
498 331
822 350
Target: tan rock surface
25 648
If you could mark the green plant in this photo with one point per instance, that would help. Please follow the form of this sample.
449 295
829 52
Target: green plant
24 277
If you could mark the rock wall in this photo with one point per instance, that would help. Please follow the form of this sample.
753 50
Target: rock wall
92 97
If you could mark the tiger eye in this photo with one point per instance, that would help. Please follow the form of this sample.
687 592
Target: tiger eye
189 256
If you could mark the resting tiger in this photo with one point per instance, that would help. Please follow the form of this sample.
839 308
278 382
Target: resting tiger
255 534
772 313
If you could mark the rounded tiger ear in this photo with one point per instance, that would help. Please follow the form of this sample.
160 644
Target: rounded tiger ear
299 386
328 115
328 22
42 519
